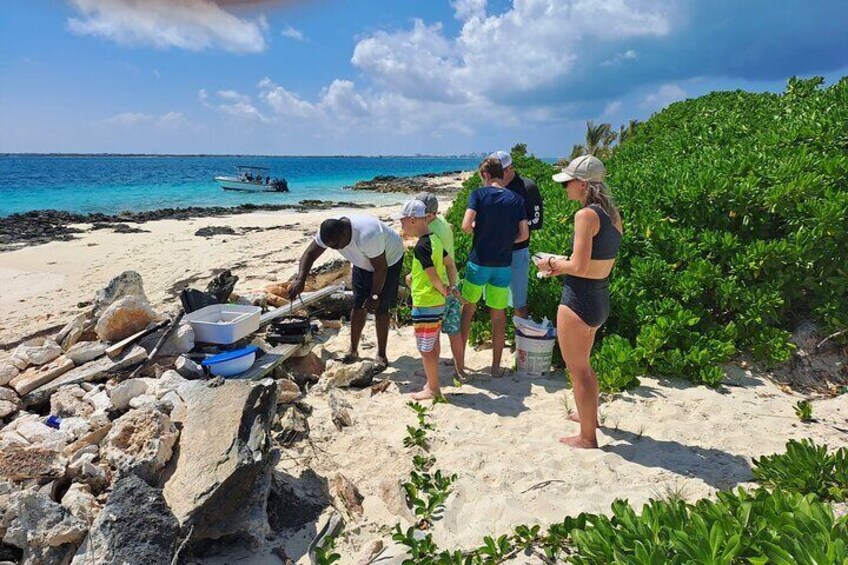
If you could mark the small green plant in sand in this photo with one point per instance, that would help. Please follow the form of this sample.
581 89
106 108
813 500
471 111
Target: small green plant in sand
806 468
738 527
804 410
326 554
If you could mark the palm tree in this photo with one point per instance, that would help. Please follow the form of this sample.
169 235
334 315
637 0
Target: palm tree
625 133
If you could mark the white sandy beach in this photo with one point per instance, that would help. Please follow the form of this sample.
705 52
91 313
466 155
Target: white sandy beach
498 435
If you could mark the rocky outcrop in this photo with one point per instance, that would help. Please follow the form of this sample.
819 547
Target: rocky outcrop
135 526
9 402
19 462
140 442
446 182
221 473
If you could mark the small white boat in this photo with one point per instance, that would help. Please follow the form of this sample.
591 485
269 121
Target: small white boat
252 179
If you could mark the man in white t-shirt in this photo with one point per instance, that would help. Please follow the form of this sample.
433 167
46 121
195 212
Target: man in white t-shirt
376 252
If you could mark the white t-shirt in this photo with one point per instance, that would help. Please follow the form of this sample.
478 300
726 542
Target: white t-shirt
370 239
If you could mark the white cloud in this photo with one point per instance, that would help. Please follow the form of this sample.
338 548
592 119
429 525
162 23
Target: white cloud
292 33
619 58
233 96
285 103
665 95
467 9
243 110
533 45
194 25
128 119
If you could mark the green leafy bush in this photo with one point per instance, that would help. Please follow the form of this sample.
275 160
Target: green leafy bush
804 410
740 527
806 468
735 208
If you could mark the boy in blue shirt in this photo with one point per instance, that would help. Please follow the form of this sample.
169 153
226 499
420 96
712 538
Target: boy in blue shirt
497 219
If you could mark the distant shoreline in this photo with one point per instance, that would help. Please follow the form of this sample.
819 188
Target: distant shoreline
246 155
41 226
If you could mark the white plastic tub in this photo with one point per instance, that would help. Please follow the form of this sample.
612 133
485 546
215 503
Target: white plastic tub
223 323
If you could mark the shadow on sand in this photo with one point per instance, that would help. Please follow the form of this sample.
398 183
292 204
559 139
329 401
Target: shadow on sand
717 468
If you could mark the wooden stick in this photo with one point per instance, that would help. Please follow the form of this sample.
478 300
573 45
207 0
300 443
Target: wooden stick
171 329
116 348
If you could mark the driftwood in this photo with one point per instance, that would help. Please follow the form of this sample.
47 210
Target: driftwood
115 349
175 323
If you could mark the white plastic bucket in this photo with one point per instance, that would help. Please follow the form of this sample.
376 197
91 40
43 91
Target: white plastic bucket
533 355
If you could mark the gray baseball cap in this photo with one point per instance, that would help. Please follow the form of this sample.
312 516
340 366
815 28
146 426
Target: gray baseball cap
504 157
431 203
585 167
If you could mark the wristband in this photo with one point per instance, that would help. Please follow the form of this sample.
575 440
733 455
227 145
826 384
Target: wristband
550 264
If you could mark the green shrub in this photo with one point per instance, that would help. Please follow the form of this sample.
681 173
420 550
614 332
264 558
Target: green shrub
806 468
740 527
735 209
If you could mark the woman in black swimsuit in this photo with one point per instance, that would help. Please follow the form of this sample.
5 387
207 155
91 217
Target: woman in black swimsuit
584 306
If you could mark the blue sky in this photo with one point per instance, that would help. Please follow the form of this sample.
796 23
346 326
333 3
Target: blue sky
368 77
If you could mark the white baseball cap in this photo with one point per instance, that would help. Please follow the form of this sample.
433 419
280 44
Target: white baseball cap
585 167
411 209
504 157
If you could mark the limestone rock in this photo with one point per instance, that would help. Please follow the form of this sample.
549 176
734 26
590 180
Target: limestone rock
128 283
38 351
81 503
85 351
73 330
123 318
369 552
287 391
309 365
340 409
7 373
93 371
45 530
135 526
141 442
188 368
9 402
339 375
122 393
37 376
347 495
31 462
75 428
7 490
144 401
67 402
221 476
35 432
99 399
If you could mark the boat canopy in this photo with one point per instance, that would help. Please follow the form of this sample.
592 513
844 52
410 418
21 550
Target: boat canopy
250 168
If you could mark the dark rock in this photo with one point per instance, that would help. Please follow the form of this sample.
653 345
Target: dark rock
221 287
410 185
209 231
135 526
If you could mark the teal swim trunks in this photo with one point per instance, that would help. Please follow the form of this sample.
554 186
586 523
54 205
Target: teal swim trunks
495 280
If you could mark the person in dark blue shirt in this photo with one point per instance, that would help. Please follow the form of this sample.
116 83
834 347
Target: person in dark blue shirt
497 219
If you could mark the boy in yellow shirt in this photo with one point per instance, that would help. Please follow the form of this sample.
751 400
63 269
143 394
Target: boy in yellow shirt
431 265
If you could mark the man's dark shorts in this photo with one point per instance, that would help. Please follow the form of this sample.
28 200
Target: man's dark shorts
362 281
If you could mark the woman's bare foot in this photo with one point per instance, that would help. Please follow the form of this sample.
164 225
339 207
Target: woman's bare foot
578 442
575 417
426 394
498 372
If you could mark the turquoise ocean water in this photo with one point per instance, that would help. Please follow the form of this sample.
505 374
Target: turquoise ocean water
111 184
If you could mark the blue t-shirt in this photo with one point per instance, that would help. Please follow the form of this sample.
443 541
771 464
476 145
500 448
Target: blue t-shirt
499 211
